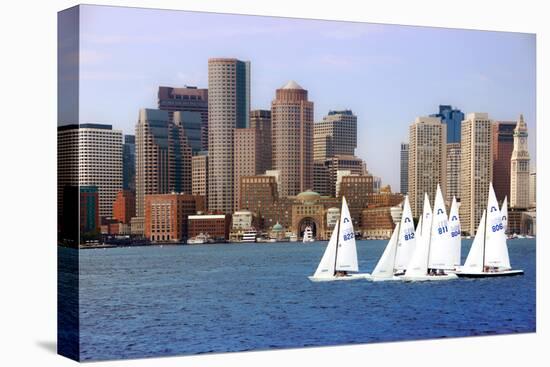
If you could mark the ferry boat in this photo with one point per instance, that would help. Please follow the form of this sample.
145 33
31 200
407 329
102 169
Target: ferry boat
308 235
199 239
249 235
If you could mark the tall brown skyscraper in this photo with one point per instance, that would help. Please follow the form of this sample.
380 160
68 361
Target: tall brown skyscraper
292 137
503 145
163 157
228 109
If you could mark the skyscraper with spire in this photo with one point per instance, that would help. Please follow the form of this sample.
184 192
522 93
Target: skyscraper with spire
519 168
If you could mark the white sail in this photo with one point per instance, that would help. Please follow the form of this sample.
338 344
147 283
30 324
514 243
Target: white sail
406 240
326 266
474 261
441 256
496 250
385 266
418 266
456 237
504 212
346 258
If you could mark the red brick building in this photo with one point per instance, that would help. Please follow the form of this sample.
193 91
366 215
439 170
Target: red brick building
216 226
503 145
124 206
166 215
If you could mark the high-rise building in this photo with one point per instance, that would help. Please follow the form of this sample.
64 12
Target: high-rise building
335 135
404 172
476 169
453 171
260 120
452 118
124 207
163 157
292 136
503 145
91 155
190 122
89 211
129 163
321 182
199 174
519 174
427 160
252 149
228 109
356 190
188 98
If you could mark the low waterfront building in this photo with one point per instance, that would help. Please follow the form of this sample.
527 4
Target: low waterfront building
137 226
357 190
377 222
124 206
528 224
166 215
216 226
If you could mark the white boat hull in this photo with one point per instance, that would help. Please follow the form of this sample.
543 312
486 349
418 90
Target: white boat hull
334 278
384 279
494 274
428 278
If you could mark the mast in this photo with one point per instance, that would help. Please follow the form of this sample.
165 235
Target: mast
484 241
396 246
338 237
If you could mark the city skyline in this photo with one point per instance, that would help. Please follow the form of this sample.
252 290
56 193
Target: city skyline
364 67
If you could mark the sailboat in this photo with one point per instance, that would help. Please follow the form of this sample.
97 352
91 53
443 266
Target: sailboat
340 257
433 255
456 236
488 256
399 249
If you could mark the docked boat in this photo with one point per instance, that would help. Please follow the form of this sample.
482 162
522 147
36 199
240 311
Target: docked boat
339 262
308 235
199 239
399 250
293 237
488 256
433 256
249 235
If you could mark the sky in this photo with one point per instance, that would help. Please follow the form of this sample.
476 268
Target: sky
386 74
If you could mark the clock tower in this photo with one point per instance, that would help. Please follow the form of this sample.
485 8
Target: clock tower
519 174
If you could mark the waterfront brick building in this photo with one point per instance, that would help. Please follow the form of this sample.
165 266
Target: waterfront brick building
166 216
189 99
356 190
216 226
124 207
292 137
377 222
503 145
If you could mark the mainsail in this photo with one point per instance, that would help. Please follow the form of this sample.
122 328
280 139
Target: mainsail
385 266
456 237
406 240
346 258
326 266
474 261
419 260
496 250
440 255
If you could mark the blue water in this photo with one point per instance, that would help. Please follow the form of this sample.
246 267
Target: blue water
157 301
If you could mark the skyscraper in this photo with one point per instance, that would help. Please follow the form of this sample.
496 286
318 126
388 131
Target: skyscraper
292 136
476 169
519 183
129 163
503 145
260 120
191 125
404 172
533 190
335 135
199 174
91 155
228 109
163 157
190 99
427 160
452 118
453 171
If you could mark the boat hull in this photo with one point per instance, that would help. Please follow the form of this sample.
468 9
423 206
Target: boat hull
333 278
505 273
428 278
383 279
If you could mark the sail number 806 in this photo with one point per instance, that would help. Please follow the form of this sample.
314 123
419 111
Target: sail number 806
497 227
